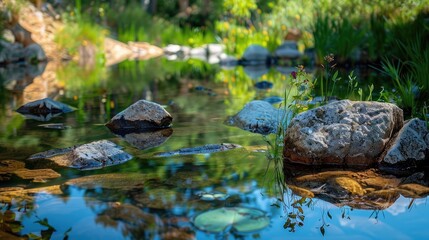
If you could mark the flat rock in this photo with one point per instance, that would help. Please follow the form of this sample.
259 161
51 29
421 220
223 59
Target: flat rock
36 174
208 148
342 133
142 115
407 146
88 156
122 181
259 117
9 166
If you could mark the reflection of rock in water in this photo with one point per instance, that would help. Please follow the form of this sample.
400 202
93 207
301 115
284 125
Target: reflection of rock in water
360 189
31 82
147 140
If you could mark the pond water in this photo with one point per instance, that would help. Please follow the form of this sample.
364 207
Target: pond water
152 197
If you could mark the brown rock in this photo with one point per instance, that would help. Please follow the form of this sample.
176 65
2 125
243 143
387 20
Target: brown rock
417 189
36 174
142 115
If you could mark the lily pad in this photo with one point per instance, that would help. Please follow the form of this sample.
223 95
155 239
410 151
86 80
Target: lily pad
241 220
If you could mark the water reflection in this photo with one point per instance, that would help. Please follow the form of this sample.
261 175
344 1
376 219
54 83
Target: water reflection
157 197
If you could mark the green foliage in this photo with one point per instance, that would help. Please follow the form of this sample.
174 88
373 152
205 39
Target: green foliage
80 32
333 36
133 24
404 92
240 9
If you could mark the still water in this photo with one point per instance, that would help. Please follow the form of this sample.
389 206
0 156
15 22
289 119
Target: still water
152 197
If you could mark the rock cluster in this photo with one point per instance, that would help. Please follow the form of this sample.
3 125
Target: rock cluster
356 133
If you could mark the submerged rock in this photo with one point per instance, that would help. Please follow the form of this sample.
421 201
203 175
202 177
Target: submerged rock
264 85
407 148
273 99
36 174
342 133
88 156
142 115
7 167
44 109
259 117
360 189
209 148
115 181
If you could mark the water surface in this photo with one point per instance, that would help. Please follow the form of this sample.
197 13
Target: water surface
152 197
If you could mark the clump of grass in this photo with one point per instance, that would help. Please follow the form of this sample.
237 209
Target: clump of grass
80 32
334 36
404 86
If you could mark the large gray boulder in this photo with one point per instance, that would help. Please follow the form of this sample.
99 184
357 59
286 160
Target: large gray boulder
408 147
342 133
140 116
260 117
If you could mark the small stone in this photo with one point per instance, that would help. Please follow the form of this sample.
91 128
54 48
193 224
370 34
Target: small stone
302 192
44 106
348 185
142 115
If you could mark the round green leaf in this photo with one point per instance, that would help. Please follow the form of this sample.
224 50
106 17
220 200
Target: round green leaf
239 219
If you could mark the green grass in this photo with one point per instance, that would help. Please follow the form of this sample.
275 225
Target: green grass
334 36
80 32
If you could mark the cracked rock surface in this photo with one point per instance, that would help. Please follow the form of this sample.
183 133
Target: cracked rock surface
342 133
